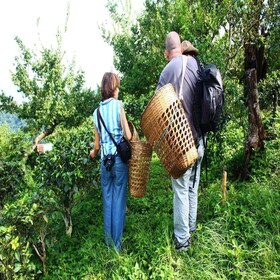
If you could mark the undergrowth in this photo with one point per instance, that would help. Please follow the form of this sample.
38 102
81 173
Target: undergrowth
237 241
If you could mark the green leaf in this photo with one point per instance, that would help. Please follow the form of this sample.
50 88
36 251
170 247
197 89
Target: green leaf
18 267
17 256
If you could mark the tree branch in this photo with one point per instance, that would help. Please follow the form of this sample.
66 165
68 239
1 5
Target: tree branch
38 253
41 136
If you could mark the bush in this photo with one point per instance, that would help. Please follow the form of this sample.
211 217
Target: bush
67 169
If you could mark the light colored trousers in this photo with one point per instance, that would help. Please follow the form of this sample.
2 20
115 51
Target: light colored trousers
185 199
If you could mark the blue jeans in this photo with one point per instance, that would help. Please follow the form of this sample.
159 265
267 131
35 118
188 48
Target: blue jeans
185 199
114 185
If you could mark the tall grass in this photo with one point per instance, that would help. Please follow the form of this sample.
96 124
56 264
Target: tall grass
237 241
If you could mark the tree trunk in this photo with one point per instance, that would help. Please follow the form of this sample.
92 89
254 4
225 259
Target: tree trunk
256 132
68 220
36 141
41 136
42 254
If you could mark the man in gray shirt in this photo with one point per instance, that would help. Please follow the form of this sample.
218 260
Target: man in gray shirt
184 188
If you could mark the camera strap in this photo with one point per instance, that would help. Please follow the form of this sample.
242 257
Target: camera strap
99 118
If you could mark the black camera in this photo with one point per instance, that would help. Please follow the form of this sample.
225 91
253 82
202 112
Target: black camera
109 162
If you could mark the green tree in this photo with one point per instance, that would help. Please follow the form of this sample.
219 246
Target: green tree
221 30
54 93
24 209
32 192
67 170
251 30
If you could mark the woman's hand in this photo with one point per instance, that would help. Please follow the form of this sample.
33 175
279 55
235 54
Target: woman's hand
96 145
92 153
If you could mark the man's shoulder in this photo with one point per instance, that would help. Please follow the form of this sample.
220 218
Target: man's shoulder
192 61
176 60
174 64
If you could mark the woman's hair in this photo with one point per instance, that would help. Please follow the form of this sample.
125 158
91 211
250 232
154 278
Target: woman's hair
110 82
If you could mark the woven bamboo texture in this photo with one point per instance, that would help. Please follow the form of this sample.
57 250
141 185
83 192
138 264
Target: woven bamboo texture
139 167
166 127
135 136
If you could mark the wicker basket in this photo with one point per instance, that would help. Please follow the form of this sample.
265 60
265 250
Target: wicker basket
135 136
139 167
166 127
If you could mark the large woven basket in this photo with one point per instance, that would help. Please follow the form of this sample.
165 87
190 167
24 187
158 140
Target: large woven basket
139 167
166 127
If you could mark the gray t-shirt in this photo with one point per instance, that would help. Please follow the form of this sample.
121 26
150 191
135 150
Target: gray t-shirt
172 73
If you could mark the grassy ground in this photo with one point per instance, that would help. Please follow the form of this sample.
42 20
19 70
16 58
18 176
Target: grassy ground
238 241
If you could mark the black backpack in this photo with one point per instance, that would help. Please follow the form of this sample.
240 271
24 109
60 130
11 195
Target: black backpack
212 97
212 102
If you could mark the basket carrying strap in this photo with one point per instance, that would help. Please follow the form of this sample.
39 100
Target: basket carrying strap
123 121
180 96
184 65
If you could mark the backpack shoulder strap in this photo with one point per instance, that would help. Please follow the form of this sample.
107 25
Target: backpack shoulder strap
199 64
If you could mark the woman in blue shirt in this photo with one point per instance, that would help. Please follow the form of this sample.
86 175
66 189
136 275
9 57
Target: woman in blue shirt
114 180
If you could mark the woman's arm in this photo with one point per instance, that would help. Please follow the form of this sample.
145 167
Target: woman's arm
124 125
96 148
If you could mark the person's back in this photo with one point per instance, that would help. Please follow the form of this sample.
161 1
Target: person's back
172 73
185 188
114 176
110 112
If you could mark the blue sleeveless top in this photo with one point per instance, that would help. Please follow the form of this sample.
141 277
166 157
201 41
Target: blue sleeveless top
110 112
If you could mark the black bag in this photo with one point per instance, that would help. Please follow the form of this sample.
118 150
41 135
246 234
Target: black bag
212 101
123 147
212 97
124 150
